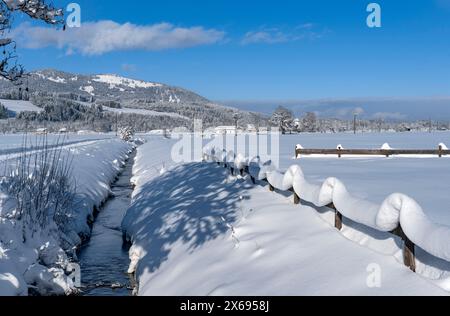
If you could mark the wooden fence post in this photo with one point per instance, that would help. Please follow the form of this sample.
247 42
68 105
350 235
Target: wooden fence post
337 217
409 252
338 220
296 198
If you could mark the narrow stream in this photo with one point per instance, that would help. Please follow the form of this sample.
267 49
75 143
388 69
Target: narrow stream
104 259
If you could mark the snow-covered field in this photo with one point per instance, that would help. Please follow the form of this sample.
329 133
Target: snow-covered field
197 231
144 112
375 178
18 106
40 262
13 143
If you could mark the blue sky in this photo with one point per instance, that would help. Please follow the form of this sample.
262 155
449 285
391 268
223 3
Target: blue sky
257 50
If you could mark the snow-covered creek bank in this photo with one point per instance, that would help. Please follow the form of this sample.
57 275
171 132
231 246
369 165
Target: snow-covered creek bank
104 259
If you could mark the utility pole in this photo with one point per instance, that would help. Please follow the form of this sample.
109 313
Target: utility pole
354 123
117 124
236 119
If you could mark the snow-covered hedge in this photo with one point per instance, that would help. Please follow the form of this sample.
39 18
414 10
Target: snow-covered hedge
397 209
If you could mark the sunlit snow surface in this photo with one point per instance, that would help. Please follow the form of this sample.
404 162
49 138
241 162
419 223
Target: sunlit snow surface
374 178
18 106
114 81
198 231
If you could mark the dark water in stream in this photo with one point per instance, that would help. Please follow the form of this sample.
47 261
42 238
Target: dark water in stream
104 259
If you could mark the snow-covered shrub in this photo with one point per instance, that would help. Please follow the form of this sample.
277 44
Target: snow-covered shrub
126 133
41 188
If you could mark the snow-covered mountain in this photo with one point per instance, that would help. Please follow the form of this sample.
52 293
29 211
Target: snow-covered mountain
113 91
105 87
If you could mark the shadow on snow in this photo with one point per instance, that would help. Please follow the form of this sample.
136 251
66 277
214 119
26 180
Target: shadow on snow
191 204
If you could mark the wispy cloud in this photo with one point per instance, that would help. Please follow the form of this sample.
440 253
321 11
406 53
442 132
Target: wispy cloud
280 35
267 37
97 38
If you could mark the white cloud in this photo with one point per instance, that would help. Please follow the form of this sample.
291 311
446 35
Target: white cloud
267 37
97 38
276 35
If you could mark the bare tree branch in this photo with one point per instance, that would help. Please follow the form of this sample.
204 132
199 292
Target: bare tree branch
35 9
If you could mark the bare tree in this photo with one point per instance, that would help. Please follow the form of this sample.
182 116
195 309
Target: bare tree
35 9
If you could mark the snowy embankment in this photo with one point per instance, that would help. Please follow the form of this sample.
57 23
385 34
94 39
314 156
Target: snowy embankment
196 230
145 112
42 262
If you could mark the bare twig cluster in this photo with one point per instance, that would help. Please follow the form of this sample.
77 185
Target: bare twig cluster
35 9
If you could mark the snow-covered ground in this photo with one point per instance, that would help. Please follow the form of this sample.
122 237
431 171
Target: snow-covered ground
114 81
375 178
144 112
18 106
13 143
198 231
41 262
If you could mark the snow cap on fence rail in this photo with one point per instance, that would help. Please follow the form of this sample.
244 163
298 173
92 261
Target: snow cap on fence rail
230 157
397 209
386 146
283 181
240 162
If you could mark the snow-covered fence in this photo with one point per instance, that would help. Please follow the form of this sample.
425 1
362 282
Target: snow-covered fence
384 151
399 214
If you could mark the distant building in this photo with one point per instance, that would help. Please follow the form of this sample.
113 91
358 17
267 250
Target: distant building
41 131
85 132
226 130
251 128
